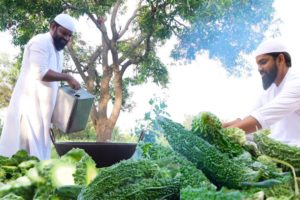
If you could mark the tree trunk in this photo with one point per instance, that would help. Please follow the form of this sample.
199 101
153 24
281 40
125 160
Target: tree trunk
103 131
103 124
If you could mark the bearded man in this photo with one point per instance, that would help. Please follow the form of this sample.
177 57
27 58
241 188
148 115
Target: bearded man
278 108
28 119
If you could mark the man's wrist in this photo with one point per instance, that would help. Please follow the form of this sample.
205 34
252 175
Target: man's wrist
67 77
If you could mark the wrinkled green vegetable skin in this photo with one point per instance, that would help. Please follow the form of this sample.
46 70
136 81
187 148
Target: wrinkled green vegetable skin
179 166
217 166
130 179
276 149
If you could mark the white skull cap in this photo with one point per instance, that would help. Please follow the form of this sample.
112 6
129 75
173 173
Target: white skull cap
270 46
66 21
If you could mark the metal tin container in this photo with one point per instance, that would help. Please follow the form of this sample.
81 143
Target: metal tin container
72 109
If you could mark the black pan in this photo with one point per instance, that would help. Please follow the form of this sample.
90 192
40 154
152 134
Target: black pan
103 153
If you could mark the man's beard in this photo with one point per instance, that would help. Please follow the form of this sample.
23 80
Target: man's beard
269 77
59 43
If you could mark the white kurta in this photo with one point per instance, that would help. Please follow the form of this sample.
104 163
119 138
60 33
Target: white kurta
279 109
33 100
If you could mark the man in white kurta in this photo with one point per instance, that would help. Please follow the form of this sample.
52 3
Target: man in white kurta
278 108
31 106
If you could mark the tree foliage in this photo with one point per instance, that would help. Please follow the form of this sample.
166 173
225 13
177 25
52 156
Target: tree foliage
8 73
130 36
239 30
26 18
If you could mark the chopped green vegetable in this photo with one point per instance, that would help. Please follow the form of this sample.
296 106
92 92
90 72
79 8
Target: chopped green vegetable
86 169
209 127
236 135
22 187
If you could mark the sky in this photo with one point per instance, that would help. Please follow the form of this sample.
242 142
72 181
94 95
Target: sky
202 85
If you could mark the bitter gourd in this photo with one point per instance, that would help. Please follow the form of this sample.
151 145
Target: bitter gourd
165 157
68 191
218 167
132 179
279 150
189 193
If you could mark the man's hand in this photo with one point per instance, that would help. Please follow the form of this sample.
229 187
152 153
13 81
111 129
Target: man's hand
73 83
56 76
230 123
249 124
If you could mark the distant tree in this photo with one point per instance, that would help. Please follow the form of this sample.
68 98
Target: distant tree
118 136
9 71
126 55
88 134
146 127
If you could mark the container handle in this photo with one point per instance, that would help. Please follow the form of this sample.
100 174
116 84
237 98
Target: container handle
77 93
141 136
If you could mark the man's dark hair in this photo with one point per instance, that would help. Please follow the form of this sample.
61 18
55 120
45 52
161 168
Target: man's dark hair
287 57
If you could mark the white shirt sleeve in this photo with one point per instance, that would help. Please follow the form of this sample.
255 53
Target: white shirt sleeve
286 102
38 58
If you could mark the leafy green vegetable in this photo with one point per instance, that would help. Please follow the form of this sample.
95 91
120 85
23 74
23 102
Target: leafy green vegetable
15 166
14 182
86 169
22 187
7 161
26 165
2 175
52 174
12 196
209 127
236 135
12 172
21 156
75 168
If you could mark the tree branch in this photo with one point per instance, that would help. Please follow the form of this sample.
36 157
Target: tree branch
180 23
68 5
104 53
101 26
177 24
113 20
134 14
133 47
125 66
95 56
138 58
76 61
